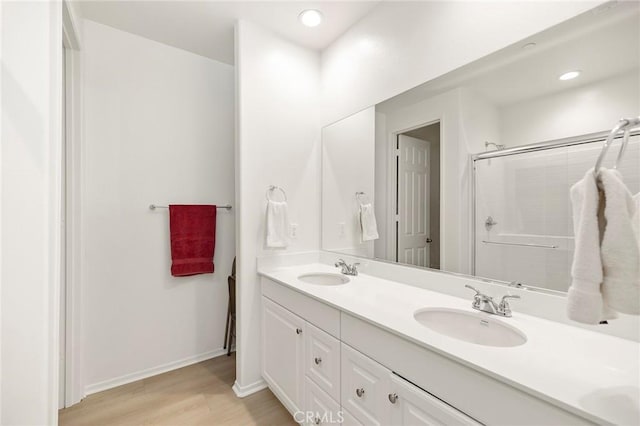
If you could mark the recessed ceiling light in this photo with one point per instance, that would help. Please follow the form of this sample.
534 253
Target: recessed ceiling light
310 17
569 75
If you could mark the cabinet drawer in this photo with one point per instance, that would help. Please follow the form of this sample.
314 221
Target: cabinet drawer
410 405
349 419
364 388
313 311
320 408
322 360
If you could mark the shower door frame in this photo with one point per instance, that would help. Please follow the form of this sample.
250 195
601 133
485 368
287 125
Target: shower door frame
542 146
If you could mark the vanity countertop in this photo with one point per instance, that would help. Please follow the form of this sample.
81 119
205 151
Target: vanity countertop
590 374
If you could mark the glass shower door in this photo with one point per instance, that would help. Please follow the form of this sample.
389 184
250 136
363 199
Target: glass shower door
523 223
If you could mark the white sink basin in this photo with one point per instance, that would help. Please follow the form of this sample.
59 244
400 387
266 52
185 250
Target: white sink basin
324 278
470 327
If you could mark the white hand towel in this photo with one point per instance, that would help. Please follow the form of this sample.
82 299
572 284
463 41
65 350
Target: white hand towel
585 301
620 248
368 223
277 224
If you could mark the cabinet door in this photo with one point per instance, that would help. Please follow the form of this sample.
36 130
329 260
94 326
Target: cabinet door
322 360
320 408
349 419
364 388
410 405
283 353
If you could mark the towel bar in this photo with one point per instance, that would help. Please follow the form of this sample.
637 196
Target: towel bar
153 207
520 244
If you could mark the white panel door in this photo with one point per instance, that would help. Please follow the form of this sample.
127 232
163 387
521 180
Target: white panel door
413 406
283 353
413 201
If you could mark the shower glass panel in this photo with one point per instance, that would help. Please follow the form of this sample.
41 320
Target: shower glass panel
523 223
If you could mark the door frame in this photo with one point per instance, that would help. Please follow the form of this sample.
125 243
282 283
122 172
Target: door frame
72 327
392 139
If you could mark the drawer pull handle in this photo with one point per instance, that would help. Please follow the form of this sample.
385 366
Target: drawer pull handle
298 331
393 397
317 360
360 392
316 420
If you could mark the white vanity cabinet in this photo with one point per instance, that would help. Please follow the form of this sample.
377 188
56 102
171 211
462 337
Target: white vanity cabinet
326 365
300 361
326 381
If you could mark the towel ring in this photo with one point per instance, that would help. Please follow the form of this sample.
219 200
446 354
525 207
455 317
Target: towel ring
358 195
624 124
273 188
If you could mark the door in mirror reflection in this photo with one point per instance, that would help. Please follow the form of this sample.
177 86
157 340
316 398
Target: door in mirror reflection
418 212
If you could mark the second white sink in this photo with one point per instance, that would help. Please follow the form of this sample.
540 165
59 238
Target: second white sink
324 278
470 327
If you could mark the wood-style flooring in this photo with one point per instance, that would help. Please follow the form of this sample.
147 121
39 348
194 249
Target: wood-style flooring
199 394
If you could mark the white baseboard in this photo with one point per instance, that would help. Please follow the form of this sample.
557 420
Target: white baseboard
242 391
143 374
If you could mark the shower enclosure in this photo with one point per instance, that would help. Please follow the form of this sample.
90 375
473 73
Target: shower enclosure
522 229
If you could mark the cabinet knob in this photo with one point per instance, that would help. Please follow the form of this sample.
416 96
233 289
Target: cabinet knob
360 392
316 420
393 397
298 331
317 360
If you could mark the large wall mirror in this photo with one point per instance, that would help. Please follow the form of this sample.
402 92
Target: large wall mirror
470 172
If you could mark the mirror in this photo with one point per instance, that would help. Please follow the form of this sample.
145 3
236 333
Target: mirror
470 173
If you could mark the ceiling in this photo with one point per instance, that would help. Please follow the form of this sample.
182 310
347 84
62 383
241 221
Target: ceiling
206 27
601 43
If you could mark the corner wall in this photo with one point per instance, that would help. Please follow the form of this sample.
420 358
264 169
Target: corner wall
278 135
31 49
159 129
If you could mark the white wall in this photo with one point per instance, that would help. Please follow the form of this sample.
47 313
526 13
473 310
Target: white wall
159 128
480 120
348 166
278 139
586 109
31 48
382 174
400 45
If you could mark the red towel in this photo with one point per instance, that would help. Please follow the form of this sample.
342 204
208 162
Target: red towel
193 239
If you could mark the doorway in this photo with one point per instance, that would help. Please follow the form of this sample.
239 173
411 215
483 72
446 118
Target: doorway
70 386
62 349
417 201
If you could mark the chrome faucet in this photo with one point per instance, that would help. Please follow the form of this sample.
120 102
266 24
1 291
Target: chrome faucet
346 268
484 303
